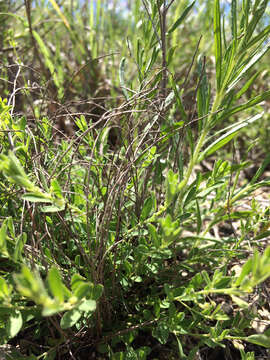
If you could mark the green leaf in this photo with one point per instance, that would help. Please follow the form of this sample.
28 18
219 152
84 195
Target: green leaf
59 12
247 85
218 43
161 332
52 309
3 236
15 172
48 59
87 306
178 99
29 284
122 77
37 197
70 318
130 354
14 323
143 352
56 188
198 215
181 18
203 94
259 37
56 284
19 245
261 169
11 227
52 208
76 281
254 59
154 235
147 208
190 196
5 289
171 185
225 138
262 235
152 60
241 303
257 13
97 291
234 19
83 290
259 339
180 349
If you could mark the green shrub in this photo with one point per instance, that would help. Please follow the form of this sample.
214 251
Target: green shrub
117 247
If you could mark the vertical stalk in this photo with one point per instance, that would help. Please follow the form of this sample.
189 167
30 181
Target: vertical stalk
162 12
199 145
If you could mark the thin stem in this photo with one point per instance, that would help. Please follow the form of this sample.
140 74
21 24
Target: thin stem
162 11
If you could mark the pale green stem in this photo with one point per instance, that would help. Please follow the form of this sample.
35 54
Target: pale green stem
199 145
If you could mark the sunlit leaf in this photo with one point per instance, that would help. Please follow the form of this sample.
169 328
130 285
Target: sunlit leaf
14 323
181 18
259 339
218 43
225 138
70 318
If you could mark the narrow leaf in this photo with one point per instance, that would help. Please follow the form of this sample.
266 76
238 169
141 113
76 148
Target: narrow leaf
256 16
62 16
259 339
56 188
147 208
52 208
199 219
247 85
20 241
234 19
122 77
218 44
178 100
259 37
181 18
256 100
248 66
203 94
240 302
34 197
261 169
3 236
224 139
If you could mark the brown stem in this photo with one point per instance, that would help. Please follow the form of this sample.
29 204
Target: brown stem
162 12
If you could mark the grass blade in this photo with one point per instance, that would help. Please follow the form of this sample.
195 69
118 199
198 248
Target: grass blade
259 37
218 43
181 18
203 94
62 16
256 100
178 100
257 15
261 169
247 85
122 77
234 19
225 138
255 58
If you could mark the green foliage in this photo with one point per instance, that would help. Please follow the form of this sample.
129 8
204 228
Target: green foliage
113 209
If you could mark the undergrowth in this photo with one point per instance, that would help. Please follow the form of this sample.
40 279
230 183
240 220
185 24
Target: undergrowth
131 226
